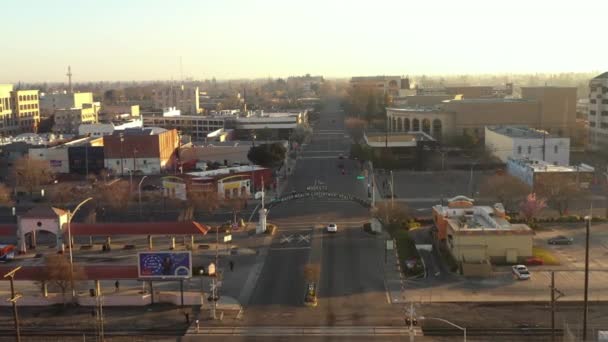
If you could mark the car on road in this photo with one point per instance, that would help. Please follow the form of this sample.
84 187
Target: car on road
560 240
332 228
521 272
534 261
341 156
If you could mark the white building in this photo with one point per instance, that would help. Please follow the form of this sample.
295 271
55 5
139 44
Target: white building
184 98
101 129
517 142
598 112
531 171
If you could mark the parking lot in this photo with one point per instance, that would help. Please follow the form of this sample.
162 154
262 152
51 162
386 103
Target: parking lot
502 287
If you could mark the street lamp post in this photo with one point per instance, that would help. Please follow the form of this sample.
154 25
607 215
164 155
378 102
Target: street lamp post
464 330
139 192
471 187
122 168
70 216
13 300
586 292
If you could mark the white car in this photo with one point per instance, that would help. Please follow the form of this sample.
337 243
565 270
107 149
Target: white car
332 228
521 272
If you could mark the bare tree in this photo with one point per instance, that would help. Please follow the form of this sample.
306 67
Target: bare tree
206 201
6 198
391 213
559 190
57 273
236 204
32 173
507 189
115 195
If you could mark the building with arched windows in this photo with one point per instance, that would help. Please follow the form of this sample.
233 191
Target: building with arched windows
552 109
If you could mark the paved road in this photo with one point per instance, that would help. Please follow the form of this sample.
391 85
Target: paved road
351 287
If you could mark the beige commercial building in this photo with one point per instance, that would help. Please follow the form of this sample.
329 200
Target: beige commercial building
26 109
184 98
68 120
51 102
19 110
8 123
598 112
386 84
549 108
478 234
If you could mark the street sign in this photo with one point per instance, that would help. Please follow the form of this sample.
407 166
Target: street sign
228 238
211 269
390 245
360 177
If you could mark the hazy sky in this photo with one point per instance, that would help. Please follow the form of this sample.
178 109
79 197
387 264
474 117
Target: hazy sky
144 39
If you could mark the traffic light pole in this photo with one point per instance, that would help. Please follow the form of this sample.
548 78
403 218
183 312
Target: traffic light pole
13 300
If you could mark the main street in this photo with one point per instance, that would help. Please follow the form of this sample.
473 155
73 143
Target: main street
351 285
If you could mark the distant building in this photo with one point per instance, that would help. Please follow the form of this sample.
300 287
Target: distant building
532 172
148 151
101 129
386 84
184 98
552 109
26 109
305 85
78 156
232 182
109 113
68 120
598 112
51 102
8 122
19 110
197 126
506 142
481 234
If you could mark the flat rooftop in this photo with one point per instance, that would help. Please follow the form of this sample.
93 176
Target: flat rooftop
541 166
520 132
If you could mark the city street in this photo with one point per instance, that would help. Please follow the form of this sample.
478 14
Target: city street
351 286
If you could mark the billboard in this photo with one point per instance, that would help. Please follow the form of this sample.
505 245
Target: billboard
164 264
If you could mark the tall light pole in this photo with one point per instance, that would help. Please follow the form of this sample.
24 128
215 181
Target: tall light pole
122 168
586 299
13 300
463 329
471 187
139 192
70 216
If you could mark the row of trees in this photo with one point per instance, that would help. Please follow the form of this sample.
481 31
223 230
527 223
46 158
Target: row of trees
553 190
367 103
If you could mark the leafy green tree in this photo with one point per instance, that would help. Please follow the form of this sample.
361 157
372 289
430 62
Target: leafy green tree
267 155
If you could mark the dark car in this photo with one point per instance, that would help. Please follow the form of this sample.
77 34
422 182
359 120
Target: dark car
560 240
150 187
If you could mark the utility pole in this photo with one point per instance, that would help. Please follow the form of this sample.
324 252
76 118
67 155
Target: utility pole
554 299
392 190
586 299
13 300
544 144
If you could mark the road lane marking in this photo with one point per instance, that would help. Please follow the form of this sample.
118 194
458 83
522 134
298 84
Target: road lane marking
303 238
288 248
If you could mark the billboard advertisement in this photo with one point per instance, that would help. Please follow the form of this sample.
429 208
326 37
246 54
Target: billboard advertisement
164 264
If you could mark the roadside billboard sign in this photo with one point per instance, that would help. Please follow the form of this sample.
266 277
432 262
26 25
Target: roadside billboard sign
164 265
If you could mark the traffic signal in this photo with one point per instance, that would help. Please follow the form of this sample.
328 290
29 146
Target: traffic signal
92 292
411 321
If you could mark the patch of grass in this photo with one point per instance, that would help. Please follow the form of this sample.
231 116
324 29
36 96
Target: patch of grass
545 255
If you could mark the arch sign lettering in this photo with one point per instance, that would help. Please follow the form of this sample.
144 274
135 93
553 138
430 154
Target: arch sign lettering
319 194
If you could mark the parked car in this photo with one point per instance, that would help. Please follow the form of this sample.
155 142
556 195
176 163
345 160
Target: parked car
521 272
332 228
341 156
560 240
534 261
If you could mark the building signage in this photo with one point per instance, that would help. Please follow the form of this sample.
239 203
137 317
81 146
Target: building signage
164 265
